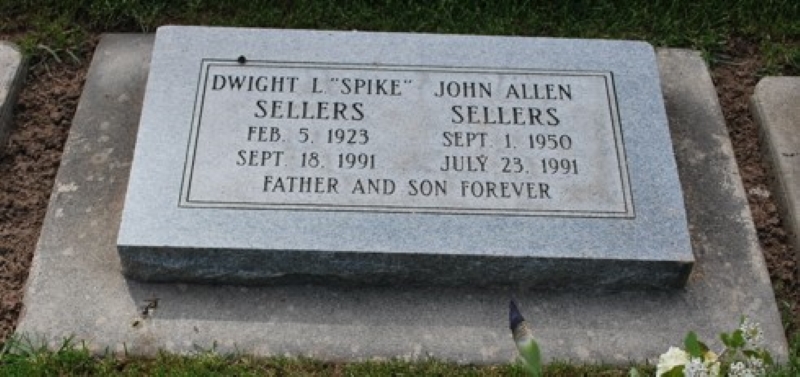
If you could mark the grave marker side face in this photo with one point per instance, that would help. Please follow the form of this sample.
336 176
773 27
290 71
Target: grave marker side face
355 156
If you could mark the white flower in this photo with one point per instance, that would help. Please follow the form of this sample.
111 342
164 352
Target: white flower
674 357
695 368
710 357
713 370
752 367
738 369
752 333
698 367
711 361
757 366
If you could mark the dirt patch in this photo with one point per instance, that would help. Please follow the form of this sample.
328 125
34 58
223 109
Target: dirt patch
735 77
28 168
49 99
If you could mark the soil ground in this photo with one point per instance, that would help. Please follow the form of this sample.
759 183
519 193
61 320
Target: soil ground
48 101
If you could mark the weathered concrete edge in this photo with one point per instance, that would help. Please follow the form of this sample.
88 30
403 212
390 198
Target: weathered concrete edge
723 232
76 289
9 89
788 197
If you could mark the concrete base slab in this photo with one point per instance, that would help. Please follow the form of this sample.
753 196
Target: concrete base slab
76 288
776 107
12 74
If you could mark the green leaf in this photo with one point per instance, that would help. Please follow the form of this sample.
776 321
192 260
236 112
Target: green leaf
761 354
634 373
675 372
751 353
693 346
737 339
726 339
703 348
765 355
533 358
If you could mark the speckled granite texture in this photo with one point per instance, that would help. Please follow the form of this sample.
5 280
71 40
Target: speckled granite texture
216 238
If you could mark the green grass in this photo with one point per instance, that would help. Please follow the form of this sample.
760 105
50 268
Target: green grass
57 30
704 25
21 357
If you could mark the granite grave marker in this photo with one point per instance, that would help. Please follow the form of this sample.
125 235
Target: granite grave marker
294 156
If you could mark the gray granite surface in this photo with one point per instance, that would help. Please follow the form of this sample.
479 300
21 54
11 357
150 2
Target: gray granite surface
241 173
76 287
12 74
776 107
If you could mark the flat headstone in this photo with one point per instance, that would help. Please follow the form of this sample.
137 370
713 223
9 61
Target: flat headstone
776 107
283 155
12 74
75 287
